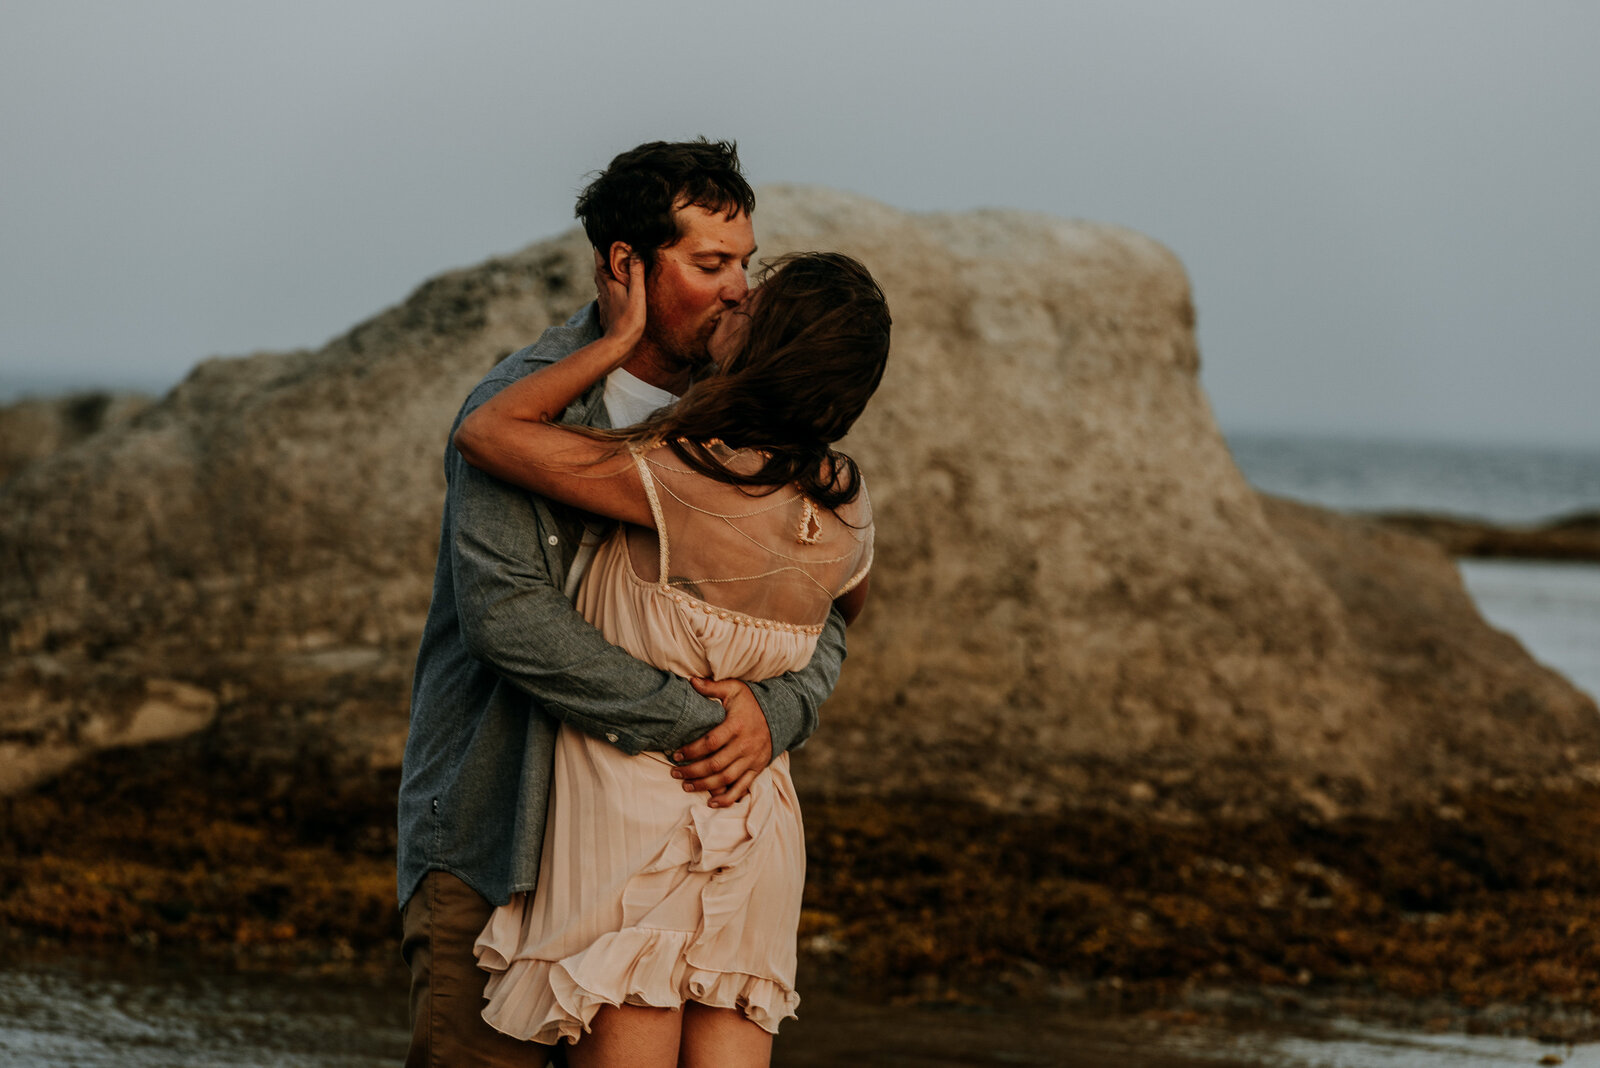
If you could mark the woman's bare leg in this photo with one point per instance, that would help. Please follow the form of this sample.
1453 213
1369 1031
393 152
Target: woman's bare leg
623 1036
721 1038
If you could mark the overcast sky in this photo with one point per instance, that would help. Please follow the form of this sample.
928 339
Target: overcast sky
1390 211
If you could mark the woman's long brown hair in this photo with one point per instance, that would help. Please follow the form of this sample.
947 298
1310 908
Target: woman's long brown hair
817 346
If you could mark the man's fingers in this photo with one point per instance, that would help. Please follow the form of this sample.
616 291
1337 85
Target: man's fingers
703 746
739 745
735 793
719 770
701 770
717 736
714 772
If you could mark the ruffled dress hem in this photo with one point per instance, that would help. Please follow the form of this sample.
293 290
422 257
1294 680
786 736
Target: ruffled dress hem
546 1001
708 867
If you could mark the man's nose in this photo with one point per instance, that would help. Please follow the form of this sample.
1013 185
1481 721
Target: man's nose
735 288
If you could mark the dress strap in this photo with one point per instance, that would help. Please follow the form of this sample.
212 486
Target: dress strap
649 480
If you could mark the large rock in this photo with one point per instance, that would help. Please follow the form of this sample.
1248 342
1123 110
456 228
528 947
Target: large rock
1078 599
38 427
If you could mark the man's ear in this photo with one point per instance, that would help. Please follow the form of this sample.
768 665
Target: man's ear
620 256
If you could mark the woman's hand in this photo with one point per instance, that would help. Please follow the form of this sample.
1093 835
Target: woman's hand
622 302
515 435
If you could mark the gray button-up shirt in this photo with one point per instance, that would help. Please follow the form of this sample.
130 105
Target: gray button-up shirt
505 657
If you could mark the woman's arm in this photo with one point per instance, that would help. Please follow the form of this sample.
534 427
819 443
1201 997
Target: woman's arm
513 435
852 601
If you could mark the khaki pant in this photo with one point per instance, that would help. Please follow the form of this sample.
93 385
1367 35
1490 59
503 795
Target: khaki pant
439 925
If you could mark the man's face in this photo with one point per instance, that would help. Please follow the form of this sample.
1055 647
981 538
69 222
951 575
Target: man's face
696 280
732 330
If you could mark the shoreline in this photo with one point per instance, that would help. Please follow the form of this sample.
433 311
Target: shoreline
1480 913
1574 538
179 1002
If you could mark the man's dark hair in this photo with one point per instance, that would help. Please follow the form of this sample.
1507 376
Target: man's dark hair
633 200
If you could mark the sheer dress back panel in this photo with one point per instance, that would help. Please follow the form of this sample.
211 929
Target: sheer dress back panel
772 556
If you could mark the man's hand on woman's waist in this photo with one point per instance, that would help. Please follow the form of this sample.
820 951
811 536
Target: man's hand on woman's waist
725 760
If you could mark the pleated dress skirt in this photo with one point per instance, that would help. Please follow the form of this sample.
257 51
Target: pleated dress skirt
647 895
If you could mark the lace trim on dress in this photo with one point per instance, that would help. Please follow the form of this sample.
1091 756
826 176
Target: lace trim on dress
855 580
810 530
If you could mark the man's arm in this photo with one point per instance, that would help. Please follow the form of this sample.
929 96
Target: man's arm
514 618
793 702
764 718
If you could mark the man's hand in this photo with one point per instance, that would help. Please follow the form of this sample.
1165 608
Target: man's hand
726 759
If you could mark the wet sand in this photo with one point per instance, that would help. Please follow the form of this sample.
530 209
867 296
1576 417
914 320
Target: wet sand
138 1011
927 922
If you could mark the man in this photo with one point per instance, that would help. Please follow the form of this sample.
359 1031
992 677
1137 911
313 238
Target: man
505 657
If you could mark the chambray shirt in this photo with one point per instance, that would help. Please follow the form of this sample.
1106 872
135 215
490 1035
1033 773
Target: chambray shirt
505 658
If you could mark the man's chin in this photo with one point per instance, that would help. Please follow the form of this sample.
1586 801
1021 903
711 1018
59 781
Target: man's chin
697 360
696 366
687 355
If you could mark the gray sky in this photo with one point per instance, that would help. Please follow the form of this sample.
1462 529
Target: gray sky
1388 209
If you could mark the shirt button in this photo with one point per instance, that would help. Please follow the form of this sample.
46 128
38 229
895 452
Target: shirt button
611 736
554 539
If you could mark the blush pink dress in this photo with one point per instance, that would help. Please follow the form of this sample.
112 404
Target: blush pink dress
647 895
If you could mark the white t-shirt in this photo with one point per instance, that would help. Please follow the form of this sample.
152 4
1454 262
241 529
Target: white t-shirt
631 400
628 400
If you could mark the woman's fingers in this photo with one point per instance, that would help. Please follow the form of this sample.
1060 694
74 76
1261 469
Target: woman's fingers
620 288
634 312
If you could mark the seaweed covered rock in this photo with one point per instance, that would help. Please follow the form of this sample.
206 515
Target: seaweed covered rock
1078 599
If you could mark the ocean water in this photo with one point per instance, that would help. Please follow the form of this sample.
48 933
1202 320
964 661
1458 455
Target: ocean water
1552 608
102 1014
1505 484
150 1012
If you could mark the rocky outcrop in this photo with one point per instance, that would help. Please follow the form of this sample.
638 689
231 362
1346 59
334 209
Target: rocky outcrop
1078 599
1574 537
38 427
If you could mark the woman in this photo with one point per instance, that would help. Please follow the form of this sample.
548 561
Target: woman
741 529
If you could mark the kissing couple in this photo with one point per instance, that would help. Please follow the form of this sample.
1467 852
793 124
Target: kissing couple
649 554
